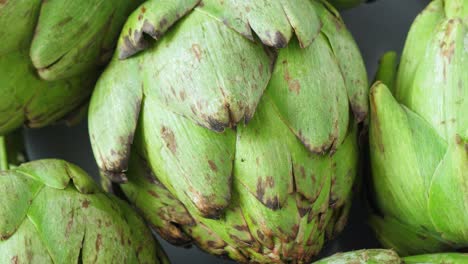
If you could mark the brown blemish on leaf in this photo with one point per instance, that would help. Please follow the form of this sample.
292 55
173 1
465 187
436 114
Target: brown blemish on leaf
169 138
98 242
196 50
14 260
70 224
213 166
143 9
302 170
293 85
163 22
260 190
64 21
85 203
153 193
182 95
260 235
241 228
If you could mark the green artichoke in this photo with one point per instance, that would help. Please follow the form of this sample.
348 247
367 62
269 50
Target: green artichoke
50 53
52 212
345 4
419 136
232 128
382 256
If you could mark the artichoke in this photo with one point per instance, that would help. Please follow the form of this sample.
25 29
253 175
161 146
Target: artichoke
419 136
228 123
50 53
52 212
382 256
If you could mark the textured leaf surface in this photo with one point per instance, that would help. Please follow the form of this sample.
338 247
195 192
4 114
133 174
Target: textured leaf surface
55 213
245 143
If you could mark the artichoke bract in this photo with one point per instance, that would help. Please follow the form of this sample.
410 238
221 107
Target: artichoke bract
383 256
52 212
419 136
50 53
229 123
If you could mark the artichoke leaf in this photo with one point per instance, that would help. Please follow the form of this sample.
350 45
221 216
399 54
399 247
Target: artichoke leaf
448 193
70 41
405 239
443 78
349 59
199 83
113 116
24 246
399 139
18 20
165 212
306 78
200 176
14 203
415 46
365 256
445 258
153 18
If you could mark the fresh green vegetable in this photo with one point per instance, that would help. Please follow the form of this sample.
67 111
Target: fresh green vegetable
52 212
229 123
383 256
419 136
50 55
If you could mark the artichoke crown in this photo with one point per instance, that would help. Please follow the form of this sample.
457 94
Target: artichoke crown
52 212
50 54
419 135
229 123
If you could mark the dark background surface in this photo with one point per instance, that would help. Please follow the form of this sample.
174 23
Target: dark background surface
377 27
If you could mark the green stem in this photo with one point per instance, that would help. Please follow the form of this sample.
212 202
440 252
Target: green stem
3 154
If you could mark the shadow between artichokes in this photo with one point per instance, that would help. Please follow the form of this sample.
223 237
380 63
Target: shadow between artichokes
51 53
233 124
419 136
52 212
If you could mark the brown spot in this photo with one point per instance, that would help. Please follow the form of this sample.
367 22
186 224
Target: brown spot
260 235
169 138
293 85
140 17
182 95
303 211
85 203
153 193
98 242
273 203
3 2
197 51
163 22
70 224
260 190
213 166
270 181
14 260
143 9
302 170
241 228
64 21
